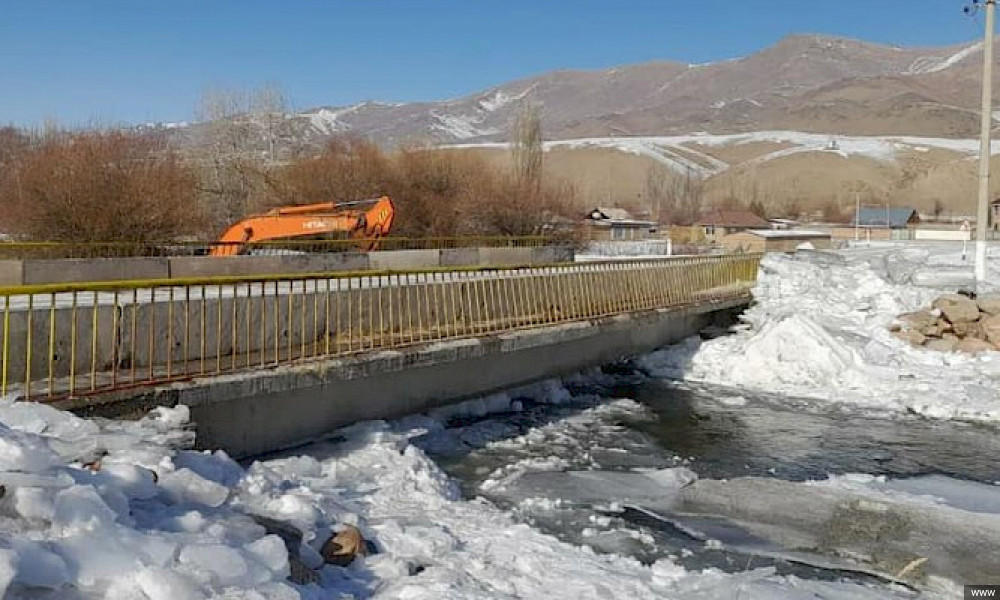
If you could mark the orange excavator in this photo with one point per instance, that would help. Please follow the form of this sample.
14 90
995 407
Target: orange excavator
364 220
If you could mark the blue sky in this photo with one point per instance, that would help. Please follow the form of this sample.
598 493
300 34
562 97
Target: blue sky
113 61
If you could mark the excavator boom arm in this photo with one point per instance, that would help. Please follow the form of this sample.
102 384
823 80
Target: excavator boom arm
290 222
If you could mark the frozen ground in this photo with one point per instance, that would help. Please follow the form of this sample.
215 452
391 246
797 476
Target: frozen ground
819 330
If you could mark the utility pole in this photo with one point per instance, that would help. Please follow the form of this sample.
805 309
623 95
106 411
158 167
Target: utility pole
857 216
611 158
982 212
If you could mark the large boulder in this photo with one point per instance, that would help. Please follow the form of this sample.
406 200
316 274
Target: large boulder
964 329
942 345
911 336
989 303
938 329
974 346
990 327
957 308
920 320
344 547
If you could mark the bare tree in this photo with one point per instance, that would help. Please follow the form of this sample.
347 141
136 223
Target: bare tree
270 105
526 147
657 192
686 196
241 130
938 208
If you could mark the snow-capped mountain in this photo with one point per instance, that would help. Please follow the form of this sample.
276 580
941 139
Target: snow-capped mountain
808 83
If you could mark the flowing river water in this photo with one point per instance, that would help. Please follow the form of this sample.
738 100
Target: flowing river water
519 460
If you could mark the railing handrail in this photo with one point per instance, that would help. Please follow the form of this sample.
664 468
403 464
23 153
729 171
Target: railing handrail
71 339
156 248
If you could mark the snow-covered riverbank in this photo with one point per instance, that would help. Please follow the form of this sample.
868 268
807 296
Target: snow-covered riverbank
819 330
67 531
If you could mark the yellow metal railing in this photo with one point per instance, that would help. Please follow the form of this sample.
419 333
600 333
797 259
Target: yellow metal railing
54 250
65 340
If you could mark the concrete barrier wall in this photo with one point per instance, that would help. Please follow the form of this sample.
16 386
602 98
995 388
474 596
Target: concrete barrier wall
499 257
213 266
543 255
405 259
11 272
31 272
459 257
71 270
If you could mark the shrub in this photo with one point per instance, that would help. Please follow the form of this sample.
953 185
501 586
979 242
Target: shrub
99 186
437 192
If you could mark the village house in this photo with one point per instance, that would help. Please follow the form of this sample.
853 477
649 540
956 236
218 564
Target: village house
717 224
617 224
776 240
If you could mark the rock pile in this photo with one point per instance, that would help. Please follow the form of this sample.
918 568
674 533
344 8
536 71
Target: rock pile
955 323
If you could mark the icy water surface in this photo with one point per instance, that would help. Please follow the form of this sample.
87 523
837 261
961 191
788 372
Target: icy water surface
520 461
731 435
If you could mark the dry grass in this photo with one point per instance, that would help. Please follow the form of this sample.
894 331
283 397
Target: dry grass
808 182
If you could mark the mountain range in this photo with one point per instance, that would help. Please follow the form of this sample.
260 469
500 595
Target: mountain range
811 83
765 125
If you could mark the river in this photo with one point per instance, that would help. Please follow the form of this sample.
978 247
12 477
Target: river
630 423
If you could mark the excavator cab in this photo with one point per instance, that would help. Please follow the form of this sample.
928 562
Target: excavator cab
365 221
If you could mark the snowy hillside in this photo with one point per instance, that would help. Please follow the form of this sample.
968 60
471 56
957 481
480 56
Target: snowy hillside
680 152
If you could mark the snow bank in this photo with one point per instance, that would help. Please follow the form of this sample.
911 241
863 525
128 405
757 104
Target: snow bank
819 330
122 510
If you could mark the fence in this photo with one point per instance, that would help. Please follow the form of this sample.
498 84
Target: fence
630 248
52 250
64 340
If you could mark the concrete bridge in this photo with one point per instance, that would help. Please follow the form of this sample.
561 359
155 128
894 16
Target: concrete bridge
270 361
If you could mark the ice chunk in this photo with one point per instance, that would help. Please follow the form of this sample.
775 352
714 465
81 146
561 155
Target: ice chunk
25 452
70 436
294 507
8 559
97 556
133 481
214 466
310 556
35 503
163 418
223 563
186 486
37 567
160 584
80 508
271 552
53 480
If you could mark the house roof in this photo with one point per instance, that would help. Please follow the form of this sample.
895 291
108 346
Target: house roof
604 213
732 218
877 216
787 233
616 216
